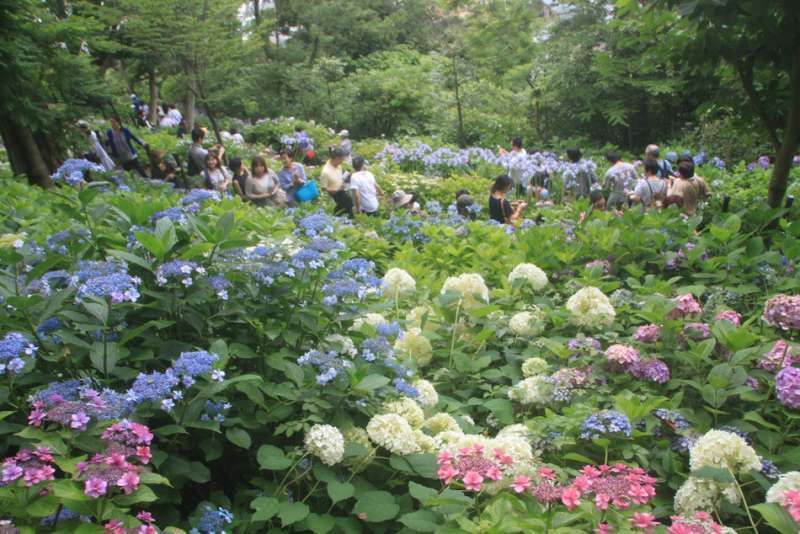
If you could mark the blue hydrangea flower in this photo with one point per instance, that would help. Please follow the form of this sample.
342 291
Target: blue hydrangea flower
15 350
604 423
155 386
220 285
316 224
195 197
46 328
213 520
193 364
72 171
178 270
176 215
307 259
671 418
215 411
58 242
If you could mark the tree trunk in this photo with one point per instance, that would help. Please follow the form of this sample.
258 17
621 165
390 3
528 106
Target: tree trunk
459 107
257 11
189 102
24 153
745 70
783 162
151 78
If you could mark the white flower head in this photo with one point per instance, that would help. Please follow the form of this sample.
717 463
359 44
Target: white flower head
589 307
372 319
408 409
529 273
416 346
393 433
326 443
441 422
534 366
398 282
472 288
428 396
787 482
537 389
527 323
724 450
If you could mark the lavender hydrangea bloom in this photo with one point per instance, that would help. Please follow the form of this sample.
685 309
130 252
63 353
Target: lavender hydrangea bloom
605 422
315 225
72 171
653 370
178 270
213 521
220 285
192 364
15 350
176 215
783 311
787 387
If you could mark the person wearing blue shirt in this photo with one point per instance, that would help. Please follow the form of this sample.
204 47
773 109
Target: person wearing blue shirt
120 143
291 176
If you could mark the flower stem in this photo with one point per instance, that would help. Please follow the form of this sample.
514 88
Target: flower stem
455 326
744 502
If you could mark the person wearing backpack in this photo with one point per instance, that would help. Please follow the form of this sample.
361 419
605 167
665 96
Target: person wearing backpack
650 190
652 152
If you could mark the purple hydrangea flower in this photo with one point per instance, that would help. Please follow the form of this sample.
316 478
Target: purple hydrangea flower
604 423
783 311
787 387
653 370
15 350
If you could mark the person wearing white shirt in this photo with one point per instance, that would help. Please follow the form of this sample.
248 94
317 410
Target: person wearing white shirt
364 188
96 147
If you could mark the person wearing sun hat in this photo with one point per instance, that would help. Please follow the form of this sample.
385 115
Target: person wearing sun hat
401 199
346 146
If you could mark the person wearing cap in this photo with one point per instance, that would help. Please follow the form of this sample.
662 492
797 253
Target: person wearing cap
365 189
96 147
346 145
332 180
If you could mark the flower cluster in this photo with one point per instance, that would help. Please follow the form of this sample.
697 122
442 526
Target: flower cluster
326 443
783 311
685 306
528 273
787 482
781 355
604 423
316 224
160 387
428 397
696 331
32 466
398 282
699 523
194 198
729 315
647 333
471 466
653 369
178 270
176 215
622 355
617 485
787 387
215 411
47 328
392 432
15 350
127 449
590 308
72 171
328 364
725 450
353 280
58 242
74 403
472 288
220 285
213 520
604 266
105 280
528 323
416 346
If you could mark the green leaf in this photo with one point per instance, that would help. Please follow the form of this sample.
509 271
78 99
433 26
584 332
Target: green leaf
239 437
143 494
502 409
777 517
272 458
376 506
372 382
68 490
717 474
265 507
99 309
421 521
292 512
339 491
320 524
420 492
104 356
423 464
43 506
165 232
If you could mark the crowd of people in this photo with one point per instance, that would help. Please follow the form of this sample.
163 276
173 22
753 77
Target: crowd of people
283 182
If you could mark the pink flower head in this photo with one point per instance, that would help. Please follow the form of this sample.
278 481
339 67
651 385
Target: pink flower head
146 529
604 528
473 481
446 473
791 502
521 483
729 315
648 333
685 305
445 457
147 517
783 311
622 354
493 473
702 516
95 487
547 473
144 455
115 526
79 421
129 482
571 498
779 356
644 521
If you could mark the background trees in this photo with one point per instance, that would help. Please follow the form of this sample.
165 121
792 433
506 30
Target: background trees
711 72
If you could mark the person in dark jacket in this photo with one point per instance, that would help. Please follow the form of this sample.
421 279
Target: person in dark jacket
120 144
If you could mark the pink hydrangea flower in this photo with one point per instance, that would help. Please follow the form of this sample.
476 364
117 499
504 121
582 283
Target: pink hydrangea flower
779 356
791 502
648 333
521 483
95 487
644 521
622 354
783 311
685 305
729 315
129 482
571 498
473 481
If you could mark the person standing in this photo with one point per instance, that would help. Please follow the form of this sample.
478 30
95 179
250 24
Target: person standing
365 189
650 190
579 177
332 180
95 147
262 186
292 175
652 152
619 179
120 142
517 165
346 145
500 209
686 188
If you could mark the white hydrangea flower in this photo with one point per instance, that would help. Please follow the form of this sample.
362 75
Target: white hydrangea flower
413 344
372 319
534 366
515 446
427 393
393 433
398 282
467 419
696 494
527 323
408 409
530 273
449 437
725 450
414 317
537 389
591 308
517 430
326 443
472 288
426 443
343 344
786 482
441 422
